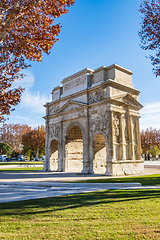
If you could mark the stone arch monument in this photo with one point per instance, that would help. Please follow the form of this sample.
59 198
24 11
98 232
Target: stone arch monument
92 124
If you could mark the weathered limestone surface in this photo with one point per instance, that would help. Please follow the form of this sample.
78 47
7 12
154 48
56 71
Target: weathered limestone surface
92 124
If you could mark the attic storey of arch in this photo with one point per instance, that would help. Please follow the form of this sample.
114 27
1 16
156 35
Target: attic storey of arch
26 31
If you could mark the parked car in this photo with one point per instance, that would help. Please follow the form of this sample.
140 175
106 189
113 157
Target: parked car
8 159
20 159
3 158
14 159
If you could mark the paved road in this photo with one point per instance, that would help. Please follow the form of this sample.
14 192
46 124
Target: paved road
28 190
16 186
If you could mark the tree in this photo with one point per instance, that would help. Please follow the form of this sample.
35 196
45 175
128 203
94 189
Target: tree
5 149
149 138
26 151
12 134
35 140
150 31
154 150
26 31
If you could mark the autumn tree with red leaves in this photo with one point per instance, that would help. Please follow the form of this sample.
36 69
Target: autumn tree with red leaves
35 140
26 31
150 31
12 134
149 139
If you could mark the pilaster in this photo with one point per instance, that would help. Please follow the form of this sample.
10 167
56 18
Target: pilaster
86 154
60 149
121 131
138 139
46 161
110 156
130 136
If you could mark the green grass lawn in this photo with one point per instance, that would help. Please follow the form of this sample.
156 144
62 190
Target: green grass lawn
20 163
112 214
22 169
152 179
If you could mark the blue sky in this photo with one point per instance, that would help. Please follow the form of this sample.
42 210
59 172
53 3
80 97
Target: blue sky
94 33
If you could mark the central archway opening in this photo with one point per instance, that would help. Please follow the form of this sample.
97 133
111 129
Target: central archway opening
54 155
74 150
99 154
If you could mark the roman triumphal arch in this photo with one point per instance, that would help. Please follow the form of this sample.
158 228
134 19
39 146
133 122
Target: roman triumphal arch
92 124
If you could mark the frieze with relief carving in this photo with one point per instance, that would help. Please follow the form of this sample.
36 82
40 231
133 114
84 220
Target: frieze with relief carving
53 109
74 83
54 130
99 123
115 128
97 96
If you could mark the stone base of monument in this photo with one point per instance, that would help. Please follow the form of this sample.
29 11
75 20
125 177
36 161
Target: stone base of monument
125 168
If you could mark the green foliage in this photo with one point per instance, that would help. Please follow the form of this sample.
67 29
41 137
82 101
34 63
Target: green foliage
154 150
5 149
26 151
41 151
15 154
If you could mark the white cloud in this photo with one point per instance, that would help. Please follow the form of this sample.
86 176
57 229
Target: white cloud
34 101
150 116
20 117
27 82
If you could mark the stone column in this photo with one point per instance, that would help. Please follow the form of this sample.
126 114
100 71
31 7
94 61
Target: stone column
60 149
138 139
86 157
110 153
46 161
64 164
130 137
121 137
91 158
111 144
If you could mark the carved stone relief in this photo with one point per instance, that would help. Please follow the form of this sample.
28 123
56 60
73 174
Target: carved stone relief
53 109
75 83
133 129
97 96
54 130
99 123
115 128
124 128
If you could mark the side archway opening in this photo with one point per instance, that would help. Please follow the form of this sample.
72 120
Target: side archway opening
74 150
54 155
99 154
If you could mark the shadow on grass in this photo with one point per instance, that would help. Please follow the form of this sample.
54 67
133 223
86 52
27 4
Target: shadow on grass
53 204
